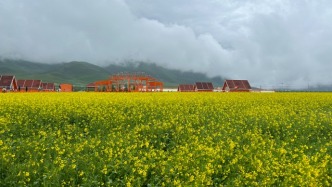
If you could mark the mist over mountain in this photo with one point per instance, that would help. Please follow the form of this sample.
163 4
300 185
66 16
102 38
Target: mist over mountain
82 73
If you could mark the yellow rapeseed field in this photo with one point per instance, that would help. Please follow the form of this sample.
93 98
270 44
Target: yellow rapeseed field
165 139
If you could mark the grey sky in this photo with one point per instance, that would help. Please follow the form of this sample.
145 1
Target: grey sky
267 42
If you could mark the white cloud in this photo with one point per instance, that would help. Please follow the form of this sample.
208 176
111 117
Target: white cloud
100 32
267 42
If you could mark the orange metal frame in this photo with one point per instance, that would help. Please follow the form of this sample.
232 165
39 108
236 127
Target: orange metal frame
129 82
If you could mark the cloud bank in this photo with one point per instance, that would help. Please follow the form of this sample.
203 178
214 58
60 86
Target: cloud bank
269 43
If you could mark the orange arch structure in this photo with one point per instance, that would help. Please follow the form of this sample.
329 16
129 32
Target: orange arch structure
130 82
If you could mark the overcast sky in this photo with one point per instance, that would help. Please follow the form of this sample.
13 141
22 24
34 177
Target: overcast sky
268 42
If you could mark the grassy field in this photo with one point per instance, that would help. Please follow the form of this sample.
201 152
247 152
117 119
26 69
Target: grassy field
165 139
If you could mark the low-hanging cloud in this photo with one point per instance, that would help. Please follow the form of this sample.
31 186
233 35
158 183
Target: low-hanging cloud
100 32
267 42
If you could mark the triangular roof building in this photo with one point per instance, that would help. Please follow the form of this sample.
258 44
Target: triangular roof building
8 82
236 86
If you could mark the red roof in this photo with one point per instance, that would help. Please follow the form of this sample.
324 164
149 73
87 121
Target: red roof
29 83
8 81
48 86
91 85
236 85
186 88
204 86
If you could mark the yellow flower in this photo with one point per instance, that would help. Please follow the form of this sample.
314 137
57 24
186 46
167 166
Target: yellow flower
80 173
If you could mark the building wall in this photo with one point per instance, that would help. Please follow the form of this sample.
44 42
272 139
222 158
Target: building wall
66 87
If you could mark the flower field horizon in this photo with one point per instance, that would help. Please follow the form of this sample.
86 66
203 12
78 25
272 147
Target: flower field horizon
166 139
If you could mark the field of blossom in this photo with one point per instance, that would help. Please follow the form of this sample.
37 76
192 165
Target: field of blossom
166 139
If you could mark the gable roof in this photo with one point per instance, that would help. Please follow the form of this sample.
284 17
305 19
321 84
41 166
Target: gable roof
236 85
186 88
8 81
204 86
35 84
91 85
48 86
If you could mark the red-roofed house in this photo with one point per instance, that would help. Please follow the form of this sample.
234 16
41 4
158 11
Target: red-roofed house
236 86
48 87
29 85
204 86
186 88
90 87
8 83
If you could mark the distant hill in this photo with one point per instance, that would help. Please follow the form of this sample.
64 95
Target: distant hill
75 73
170 77
79 73
82 73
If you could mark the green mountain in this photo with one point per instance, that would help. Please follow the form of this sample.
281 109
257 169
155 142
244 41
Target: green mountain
82 73
170 77
77 73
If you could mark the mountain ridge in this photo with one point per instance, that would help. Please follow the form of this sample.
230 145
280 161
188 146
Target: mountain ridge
82 73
